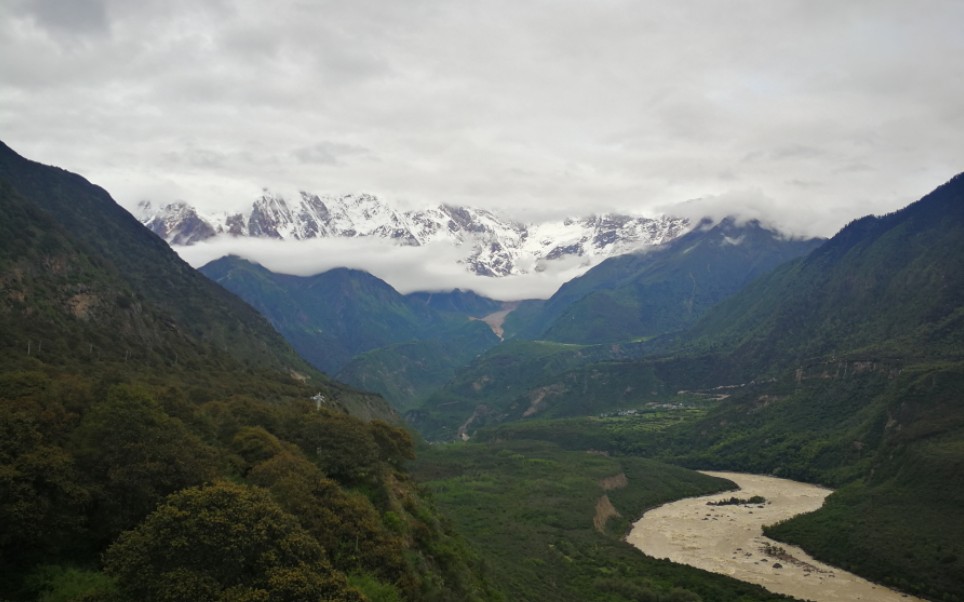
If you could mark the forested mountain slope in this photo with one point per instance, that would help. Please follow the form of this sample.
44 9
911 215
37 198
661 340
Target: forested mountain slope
59 227
142 406
889 286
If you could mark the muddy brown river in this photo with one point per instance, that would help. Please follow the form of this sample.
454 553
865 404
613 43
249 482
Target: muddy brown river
729 540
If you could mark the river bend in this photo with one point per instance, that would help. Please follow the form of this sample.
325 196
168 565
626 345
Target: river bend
729 540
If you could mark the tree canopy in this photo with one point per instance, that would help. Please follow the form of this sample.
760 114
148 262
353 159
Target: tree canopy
223 542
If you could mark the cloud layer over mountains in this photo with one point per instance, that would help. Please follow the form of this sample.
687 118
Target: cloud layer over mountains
430 267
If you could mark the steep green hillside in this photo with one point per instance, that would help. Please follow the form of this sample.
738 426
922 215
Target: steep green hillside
112 270
863 340
666 289
888 286
466 303
84 284
357 327
328 318
408 373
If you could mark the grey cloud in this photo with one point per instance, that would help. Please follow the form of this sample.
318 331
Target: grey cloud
796 151
197 158
854 168
60 17
328 152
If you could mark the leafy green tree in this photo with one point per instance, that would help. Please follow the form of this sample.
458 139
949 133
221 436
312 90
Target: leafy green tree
255 445
395 445
223 542
54 583
346 524
135 454
344 446
41 496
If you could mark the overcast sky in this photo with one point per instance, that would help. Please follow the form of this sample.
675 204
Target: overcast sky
812 112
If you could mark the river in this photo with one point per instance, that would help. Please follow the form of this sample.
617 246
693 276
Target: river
729 540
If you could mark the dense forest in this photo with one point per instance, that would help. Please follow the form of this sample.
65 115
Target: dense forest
121 490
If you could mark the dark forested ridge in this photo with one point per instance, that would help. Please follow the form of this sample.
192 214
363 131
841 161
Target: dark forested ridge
330 317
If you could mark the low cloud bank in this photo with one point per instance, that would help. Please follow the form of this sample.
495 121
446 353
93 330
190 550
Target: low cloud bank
801 220
433 267
748 205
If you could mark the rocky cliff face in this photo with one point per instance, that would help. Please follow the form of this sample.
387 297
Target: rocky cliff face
496 246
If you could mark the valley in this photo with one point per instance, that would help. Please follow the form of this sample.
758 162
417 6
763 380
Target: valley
496 320
833 362
477 449
623 301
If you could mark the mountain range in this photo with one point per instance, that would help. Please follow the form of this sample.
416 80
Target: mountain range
355 326
491 245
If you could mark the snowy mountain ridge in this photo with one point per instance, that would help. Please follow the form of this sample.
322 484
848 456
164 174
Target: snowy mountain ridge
496 246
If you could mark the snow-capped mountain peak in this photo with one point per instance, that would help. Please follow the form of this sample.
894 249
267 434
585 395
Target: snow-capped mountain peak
498 246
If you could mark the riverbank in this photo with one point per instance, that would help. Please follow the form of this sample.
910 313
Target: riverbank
729 540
